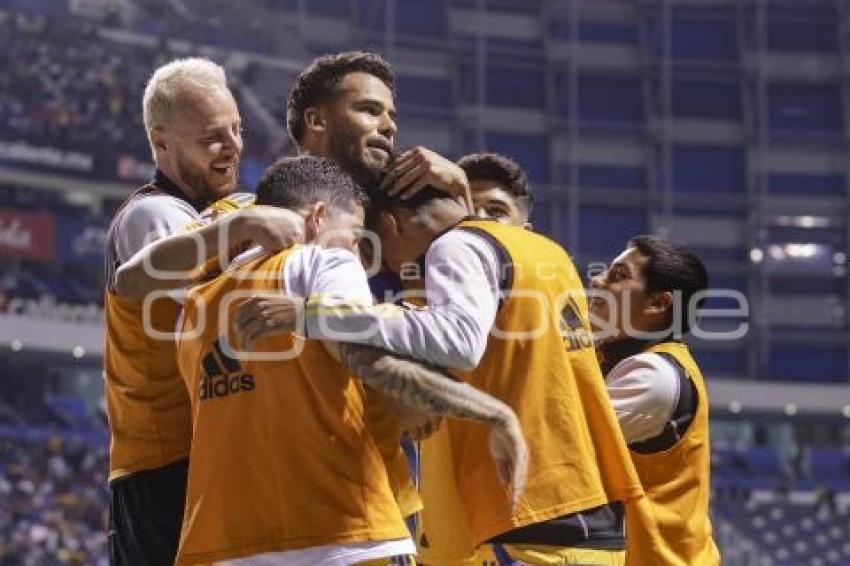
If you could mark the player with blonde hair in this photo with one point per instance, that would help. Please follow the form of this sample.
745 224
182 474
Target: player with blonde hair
194 129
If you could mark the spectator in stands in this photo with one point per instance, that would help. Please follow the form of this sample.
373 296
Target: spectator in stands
54 500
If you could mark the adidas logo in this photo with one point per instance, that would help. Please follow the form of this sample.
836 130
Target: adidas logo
223 376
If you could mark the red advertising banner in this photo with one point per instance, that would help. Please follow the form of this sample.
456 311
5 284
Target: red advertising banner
27 234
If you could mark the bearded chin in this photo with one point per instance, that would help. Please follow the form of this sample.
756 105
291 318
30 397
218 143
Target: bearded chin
347 154
196 180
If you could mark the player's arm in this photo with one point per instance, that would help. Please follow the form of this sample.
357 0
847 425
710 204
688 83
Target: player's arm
178 260
462 293
644 391
337 273
429 390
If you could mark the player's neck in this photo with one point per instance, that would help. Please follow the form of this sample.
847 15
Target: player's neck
177 182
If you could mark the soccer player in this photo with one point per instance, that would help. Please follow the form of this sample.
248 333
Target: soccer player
283 467
507 311
658 392
500 188
501 191
194 130
342 107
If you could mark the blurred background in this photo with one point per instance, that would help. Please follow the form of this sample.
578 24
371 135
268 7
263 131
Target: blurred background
721 124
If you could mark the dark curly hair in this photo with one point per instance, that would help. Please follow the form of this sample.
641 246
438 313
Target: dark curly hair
318 82
296 182
501 169
671 267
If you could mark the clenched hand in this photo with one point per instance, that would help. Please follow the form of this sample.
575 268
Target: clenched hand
263 316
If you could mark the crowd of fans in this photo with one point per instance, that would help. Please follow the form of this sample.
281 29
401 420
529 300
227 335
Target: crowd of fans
55 507
64 87
55 503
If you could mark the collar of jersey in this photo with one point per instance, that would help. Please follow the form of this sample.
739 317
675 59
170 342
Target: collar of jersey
166 185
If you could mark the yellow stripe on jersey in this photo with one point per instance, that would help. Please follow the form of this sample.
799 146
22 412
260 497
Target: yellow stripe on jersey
405 560
223 207
539 555
327 305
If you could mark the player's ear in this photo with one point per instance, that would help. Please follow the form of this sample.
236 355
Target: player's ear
660 302
158 139
388 222
314 217
314 119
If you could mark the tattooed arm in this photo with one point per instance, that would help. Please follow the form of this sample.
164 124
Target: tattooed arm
427 389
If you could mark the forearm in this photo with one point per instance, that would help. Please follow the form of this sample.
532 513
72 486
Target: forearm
423 388
446 336
172 262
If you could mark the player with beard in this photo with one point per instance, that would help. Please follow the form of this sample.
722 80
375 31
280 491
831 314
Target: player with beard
194 129
342 107
283 470
507 311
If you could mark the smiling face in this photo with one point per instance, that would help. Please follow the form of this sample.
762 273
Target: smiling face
358 127
200 145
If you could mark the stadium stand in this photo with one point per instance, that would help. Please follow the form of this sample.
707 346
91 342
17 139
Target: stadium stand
55 502
685 124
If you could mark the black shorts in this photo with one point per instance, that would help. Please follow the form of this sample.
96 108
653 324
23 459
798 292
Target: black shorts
145 516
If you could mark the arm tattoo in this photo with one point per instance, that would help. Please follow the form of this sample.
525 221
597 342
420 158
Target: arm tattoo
421 386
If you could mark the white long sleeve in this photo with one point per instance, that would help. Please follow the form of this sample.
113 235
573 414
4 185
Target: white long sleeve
461 278
334 273
644 390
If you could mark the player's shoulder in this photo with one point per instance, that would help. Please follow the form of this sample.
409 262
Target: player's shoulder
458 239
315 256
649 366
507 233
143 208
226 205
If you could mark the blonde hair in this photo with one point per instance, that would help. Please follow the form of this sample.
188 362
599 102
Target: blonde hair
168 83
